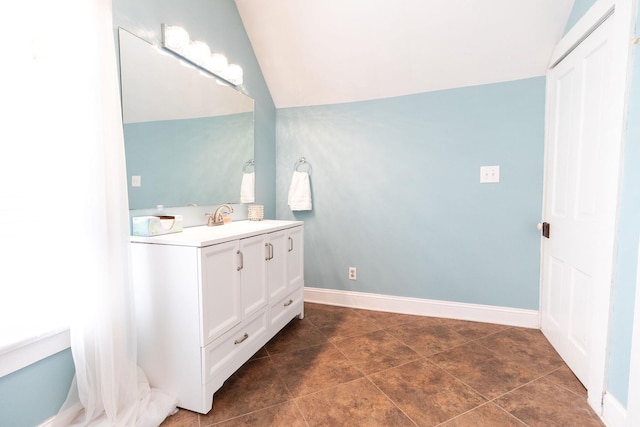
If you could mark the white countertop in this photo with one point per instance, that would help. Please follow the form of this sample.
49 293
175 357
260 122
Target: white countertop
206 236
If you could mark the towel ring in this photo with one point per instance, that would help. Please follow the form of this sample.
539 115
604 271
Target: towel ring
247 165
301 163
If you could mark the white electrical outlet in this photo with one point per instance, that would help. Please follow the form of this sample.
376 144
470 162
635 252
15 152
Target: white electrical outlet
352 273
489 174
136 181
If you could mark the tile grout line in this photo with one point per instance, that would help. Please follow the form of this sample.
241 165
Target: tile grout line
354 365
479 406
391 400
293 398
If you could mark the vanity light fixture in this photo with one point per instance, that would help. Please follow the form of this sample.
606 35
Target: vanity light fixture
176 39
217 63
199 52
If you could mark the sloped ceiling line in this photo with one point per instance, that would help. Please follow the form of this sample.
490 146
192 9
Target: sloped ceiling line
334 51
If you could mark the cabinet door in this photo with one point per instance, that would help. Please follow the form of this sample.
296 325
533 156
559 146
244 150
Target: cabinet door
220 289
253 274
276 265
295 258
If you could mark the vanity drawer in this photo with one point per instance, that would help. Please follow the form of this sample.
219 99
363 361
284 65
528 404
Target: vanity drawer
284 310
228 353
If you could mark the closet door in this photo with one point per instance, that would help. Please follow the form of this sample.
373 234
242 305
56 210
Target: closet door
581 169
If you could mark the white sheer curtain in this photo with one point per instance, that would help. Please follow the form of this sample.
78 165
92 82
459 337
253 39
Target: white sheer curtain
68 146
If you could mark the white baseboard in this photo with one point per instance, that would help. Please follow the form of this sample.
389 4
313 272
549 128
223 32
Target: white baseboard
613 413
425 307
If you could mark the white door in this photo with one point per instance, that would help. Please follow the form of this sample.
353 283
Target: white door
581 167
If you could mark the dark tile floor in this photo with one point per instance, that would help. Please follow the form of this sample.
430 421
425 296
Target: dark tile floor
346 367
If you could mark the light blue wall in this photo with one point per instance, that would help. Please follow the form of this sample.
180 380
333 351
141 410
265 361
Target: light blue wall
396 193
627 260
35 393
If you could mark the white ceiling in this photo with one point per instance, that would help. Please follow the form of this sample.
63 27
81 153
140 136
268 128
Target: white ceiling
315 52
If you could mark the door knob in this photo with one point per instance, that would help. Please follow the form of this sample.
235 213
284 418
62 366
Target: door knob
545 228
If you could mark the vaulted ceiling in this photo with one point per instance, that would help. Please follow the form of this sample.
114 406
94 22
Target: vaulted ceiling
315 52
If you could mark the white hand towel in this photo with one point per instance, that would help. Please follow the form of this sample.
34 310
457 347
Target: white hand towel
248 188
300 192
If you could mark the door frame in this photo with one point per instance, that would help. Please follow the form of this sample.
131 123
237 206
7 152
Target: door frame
621 12
633 406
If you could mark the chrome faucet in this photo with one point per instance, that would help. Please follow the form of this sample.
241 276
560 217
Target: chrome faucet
216 217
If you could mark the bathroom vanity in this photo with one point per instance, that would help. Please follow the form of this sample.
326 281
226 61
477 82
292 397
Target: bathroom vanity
208 298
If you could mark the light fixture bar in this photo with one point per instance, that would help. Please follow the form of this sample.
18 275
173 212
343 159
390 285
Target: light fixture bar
176 40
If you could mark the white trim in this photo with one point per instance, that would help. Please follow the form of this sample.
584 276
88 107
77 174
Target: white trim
425 307
585 26
633 399
613 413
32 350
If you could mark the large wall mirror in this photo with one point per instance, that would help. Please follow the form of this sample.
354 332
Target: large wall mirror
188 137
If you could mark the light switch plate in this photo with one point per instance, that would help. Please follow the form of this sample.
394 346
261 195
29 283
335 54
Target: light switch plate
136 181
489 174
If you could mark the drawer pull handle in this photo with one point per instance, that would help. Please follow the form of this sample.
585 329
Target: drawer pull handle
244 337
288 303
241 260
269 247
290 244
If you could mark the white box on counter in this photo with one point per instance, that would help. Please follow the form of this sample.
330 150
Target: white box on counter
155 225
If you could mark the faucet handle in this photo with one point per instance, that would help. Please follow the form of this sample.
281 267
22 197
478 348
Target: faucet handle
211 221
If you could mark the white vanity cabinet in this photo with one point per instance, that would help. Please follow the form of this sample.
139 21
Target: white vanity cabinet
208 298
